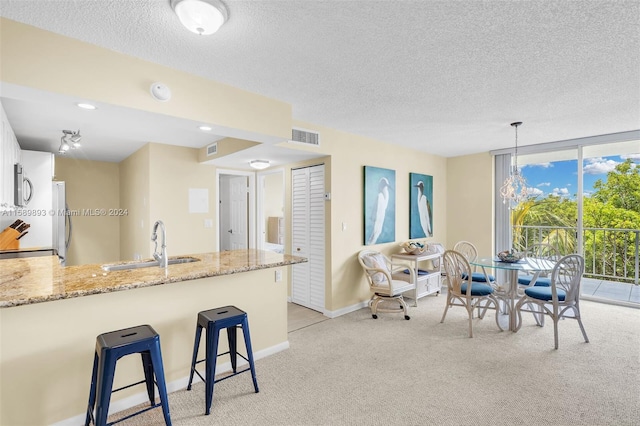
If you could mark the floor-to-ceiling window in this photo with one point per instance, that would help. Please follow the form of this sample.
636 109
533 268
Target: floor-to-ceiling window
584 197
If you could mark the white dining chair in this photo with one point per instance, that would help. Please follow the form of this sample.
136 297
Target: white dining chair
470 252
538 251
561 299
464 292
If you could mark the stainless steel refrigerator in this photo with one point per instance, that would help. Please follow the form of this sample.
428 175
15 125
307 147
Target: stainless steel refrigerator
61 222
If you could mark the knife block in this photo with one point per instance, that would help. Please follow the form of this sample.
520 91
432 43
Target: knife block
8 239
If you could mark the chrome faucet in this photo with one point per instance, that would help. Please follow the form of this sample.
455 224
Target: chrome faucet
163 260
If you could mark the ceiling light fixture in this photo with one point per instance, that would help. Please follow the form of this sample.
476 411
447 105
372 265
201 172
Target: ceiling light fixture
86 106
69 140
204 128
202 17
259 164
64 147
514 189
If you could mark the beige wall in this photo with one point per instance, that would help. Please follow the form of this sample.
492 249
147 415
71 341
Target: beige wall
91 185
134 197
273 195
470 201
173 171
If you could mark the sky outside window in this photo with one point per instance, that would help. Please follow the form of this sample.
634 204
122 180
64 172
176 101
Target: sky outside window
556 173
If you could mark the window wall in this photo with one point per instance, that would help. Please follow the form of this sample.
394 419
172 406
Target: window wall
583 198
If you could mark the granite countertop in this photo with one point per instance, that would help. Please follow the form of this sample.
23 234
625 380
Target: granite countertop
31 280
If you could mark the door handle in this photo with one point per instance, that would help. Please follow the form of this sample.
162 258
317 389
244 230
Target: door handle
230 231
30 185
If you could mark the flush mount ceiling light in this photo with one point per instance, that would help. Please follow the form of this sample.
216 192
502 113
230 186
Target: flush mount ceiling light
69 140
514 189
204 128
202 17
259 164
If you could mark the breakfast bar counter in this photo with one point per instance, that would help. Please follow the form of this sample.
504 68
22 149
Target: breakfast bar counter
41 279
51 315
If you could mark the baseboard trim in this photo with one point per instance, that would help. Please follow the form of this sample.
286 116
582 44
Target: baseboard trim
347 310
176 385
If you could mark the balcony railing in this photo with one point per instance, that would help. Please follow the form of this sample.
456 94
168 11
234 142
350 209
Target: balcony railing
611 254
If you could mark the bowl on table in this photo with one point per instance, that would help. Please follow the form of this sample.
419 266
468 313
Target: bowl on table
510 257
414 248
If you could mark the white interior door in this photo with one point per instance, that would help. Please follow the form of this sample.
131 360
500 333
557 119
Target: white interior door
238 203
307 235
236 211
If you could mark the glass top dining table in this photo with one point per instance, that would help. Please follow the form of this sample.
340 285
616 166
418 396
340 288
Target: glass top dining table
529 265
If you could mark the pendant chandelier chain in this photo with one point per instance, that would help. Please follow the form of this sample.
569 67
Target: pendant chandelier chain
516 124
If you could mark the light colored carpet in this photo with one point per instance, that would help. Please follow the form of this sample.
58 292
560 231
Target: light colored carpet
354 370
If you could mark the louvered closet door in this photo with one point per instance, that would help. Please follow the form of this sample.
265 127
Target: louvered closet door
308 283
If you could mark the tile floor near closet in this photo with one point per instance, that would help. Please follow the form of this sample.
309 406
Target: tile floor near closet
300 317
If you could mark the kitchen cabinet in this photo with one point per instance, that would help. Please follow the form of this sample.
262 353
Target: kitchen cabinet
428 275
10 155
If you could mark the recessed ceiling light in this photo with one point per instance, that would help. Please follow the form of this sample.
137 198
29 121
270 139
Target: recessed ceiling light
86 106
204 128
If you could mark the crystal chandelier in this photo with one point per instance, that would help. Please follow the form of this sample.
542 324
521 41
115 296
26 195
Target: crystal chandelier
514 189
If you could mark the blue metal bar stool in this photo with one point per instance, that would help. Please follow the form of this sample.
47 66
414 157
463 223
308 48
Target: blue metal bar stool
112 346
214 320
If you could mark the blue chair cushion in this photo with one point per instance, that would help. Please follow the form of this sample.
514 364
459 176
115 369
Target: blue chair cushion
544 293
420 272
540 282
479 277
477 289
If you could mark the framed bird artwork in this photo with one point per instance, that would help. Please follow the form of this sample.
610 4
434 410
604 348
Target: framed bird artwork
420 206
379 205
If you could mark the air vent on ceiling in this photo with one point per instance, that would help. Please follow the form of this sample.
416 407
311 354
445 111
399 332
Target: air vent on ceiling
212 149
305 136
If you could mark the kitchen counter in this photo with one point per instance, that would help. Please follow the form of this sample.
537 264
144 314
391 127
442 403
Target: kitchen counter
26 281
56 341
26 252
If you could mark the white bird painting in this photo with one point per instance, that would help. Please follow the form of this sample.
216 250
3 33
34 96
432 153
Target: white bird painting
379 210
424 210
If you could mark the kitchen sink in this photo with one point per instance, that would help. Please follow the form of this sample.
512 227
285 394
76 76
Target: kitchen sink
146 264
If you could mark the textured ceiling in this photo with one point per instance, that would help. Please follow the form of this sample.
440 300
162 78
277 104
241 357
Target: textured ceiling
444 77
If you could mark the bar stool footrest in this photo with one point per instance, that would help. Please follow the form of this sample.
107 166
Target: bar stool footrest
226 377
131 385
